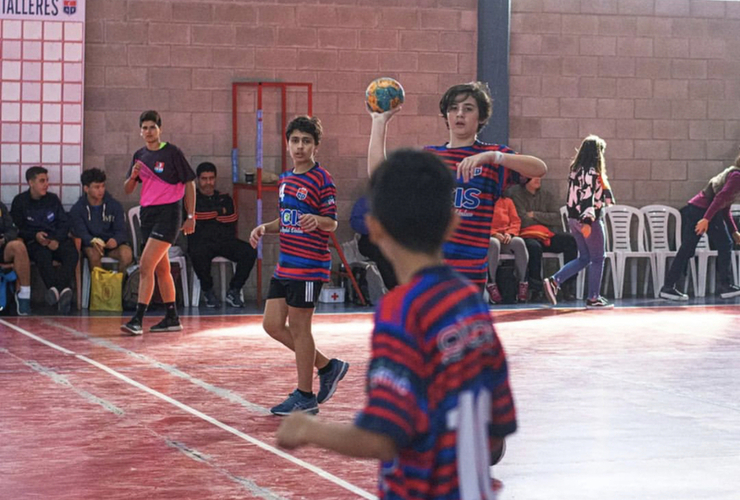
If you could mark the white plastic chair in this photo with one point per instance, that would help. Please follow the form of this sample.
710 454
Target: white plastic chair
735 211
659 242
222 262
699 265
175 254
620 218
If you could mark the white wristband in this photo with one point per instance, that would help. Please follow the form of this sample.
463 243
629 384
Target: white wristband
498 157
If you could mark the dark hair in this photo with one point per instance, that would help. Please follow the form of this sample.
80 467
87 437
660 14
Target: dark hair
591 154
206 166
411 196
478 90
92 175
150 116
307 124
32 172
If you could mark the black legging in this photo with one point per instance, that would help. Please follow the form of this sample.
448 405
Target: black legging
58 277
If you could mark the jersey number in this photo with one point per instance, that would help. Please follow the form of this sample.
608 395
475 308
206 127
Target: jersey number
470 419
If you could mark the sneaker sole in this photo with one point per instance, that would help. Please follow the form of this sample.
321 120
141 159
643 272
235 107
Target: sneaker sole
608 306
65 303
547 286
310 411
333 388
168 329
730 295
51 298
234 304
131 331
675 298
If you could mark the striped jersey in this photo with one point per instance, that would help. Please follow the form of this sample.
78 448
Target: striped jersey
305 256
437 384
467 249
164 179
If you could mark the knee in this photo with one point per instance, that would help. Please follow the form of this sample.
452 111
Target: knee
272 326
16 248
126 255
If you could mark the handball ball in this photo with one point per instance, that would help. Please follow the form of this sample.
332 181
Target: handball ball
384 94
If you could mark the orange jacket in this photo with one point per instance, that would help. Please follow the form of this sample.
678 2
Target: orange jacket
505 218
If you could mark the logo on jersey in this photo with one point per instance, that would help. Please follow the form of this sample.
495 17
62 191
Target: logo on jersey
477 171
302 194
159 167
290 220
456 339
50 216
385 377
466 199
331 201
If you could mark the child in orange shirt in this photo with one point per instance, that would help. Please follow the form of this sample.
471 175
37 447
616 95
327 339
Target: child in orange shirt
505 228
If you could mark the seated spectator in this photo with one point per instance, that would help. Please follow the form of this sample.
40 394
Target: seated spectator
367 247
504 238
97 219
44 227
215 236
537 207
13 251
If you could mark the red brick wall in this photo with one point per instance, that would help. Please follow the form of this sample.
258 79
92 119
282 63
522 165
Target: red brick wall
658 79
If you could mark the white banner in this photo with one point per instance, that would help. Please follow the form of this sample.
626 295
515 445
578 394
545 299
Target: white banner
43 10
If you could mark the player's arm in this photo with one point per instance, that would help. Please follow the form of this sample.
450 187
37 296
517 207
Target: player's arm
378 132
299 429
311 222
528 166
258 232
188 226
133 177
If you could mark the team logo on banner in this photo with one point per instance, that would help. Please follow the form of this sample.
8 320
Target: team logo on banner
159 167
70 7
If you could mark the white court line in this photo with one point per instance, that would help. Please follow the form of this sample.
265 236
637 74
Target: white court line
246 437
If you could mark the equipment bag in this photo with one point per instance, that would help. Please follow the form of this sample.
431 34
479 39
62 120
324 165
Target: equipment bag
106 290
507 281
7 298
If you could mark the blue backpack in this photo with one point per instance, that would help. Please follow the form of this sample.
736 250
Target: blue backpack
6 278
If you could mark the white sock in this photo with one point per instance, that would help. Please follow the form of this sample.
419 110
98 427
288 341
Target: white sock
25 292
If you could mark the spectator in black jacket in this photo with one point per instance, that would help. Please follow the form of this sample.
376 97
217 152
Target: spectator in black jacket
215 236
44 226
97 219
13 251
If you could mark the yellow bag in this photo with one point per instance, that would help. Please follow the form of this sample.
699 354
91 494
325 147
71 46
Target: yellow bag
105 290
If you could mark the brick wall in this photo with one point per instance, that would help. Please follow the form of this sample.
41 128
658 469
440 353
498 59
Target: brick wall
658 79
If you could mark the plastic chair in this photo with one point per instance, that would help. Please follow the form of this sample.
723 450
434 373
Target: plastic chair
701 261
222 264
620 218
659 242
735 211
180 260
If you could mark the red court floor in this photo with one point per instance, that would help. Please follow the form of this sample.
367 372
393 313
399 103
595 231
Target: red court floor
630 403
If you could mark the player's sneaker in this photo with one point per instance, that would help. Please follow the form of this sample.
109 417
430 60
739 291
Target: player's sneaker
729 291
328 381
551 290
65 301
52 296
598 303
672 294
167 325
233 298
23 306
296 402
521 295
133 327
494 295
211 299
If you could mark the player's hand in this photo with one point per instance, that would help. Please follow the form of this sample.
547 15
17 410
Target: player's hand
586 230
111 244
41 237
507 239
98 245
701 227
53 245
384 117
256 235
736 237
135 171
308 222
498 236
188 227
466 168
293 431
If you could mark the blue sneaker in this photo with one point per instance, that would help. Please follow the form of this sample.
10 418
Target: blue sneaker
328 382
296 402
23 306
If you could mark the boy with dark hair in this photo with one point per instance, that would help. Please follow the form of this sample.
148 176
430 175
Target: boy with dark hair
438 399
13 251
308 213
216 237
97 219
482 171
44 226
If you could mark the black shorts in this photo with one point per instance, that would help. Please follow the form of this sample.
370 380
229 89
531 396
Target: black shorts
161 222
302 294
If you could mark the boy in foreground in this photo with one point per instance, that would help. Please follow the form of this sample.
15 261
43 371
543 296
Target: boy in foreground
438 398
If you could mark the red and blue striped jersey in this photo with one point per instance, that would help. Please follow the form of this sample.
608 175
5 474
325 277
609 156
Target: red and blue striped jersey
467 249
438 386
305 256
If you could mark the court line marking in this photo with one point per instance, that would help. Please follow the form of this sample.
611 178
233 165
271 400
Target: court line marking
246 437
